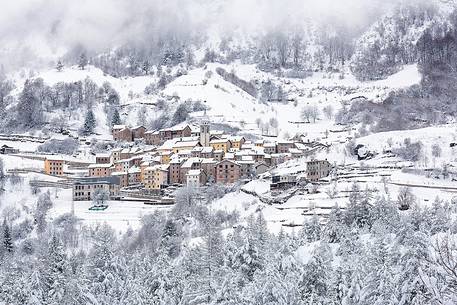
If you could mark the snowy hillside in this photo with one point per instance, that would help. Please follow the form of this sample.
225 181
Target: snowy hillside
244 152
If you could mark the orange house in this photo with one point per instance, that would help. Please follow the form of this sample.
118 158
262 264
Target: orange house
53 166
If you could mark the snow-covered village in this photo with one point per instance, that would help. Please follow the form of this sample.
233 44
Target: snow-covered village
228 152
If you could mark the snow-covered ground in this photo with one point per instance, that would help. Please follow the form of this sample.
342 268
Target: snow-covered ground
231 105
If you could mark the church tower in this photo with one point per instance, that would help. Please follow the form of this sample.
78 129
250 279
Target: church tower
204 133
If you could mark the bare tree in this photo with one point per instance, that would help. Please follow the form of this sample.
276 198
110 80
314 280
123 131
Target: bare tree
328 111
405 198
436 152
310 112
274 124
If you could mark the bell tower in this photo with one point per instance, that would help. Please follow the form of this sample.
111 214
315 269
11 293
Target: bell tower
204 133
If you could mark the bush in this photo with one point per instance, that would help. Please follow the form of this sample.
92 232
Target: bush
231 77
68 146
160 122
181 114
410 151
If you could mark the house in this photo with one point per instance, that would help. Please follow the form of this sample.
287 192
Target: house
122 165
195 131
184 154
189 164
317 169
247 168
216 134
229 156
259 143
280 158
138 132
185 145
122 133
197 152
147 163
5 149
260 168
207 152
152 137
195 178
282 182
227 171
218 155
296 153
174 171
156 177
135 151
134 175
125 153
165 157
174 132
123 178
269 148
283 146
237 142
53 166
136 160
100 170
167 145
116 154
84 188
104 158
221 144
209 167
259 156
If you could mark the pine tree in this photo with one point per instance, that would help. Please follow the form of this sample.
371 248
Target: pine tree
141 116
335 226
378 284
247 261
116 118
8 245
314 282
59 66
82 63
146 67
440 217
29 107
53 272
206 277
170 240
358 209
13 284
258 232
311 230
106 268
89 123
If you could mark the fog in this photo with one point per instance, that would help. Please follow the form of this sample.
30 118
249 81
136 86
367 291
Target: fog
33 31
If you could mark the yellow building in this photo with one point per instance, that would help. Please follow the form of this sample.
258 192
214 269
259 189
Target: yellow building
237 142
221 144
53 166
143 167
155 177
259 143
165 157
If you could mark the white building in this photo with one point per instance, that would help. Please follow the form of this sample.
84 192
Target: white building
193 177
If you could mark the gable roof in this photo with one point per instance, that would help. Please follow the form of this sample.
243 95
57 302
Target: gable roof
187 144
229 161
